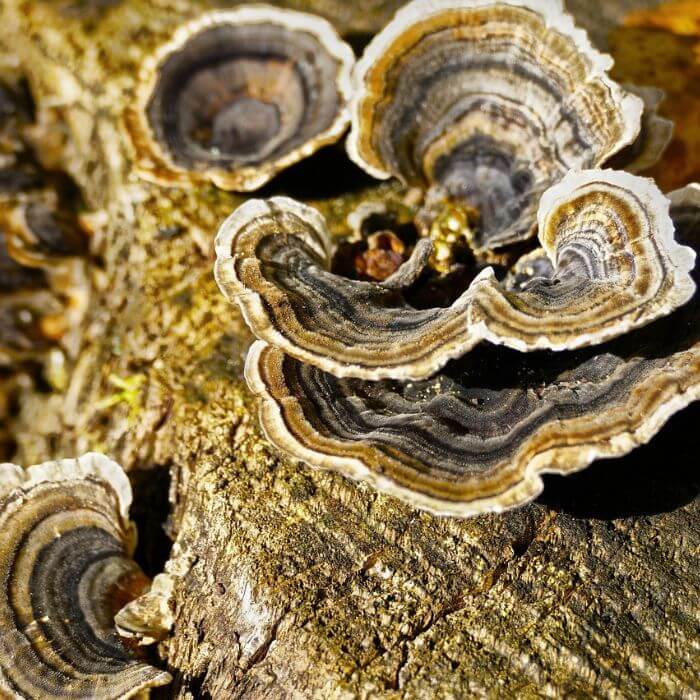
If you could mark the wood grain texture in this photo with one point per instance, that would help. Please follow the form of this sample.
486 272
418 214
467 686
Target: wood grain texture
295 583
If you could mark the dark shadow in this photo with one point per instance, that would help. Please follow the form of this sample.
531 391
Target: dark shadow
325 174
358 42
656 478
150 512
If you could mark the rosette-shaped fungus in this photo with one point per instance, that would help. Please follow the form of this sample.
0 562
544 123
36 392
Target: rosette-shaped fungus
488 104
237 95
65 565
607 234
477 436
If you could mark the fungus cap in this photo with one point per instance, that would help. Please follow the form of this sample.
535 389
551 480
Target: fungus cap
237 95
488 103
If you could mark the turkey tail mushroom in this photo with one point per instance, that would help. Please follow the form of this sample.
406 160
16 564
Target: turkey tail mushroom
608 235
65 564
478 435
489 104
238 95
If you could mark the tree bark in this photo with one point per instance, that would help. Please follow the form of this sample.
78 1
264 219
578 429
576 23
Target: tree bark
294 582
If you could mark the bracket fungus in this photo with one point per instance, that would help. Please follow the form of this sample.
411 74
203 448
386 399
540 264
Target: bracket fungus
608 235
477 436
43 272
43 280
654 137
237 95
65 557
39 234
487 103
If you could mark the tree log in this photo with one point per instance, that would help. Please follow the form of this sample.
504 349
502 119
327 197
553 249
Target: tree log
293 582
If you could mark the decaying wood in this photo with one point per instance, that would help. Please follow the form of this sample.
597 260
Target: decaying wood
292 582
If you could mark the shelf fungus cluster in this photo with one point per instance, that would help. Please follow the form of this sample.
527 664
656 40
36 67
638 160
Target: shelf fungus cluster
488 104
476 435
237 95
580 345
43 289
43 260
65 562
608 236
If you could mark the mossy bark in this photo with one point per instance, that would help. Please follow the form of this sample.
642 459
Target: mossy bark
294 582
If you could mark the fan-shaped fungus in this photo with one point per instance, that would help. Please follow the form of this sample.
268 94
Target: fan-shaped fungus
607 234
489 104
66 568
237 95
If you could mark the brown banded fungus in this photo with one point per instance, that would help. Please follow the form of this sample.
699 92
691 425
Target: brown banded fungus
43 279
65 564
655 135
478 435
608 236
39 234
237 95
43 271
487 104
273 258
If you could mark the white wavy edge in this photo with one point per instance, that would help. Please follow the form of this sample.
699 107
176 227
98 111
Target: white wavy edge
688 195
524 491
556 17
254 208
90 465
253 177
252 305
656 206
